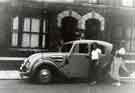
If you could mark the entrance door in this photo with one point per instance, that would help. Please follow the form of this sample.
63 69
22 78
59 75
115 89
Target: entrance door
69 28
92 29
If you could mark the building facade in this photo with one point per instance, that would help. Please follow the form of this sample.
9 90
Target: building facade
29 26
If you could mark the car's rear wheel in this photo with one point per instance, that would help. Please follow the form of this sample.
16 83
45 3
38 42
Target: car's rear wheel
44 75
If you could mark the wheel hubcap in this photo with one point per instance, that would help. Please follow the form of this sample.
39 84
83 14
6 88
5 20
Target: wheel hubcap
45 76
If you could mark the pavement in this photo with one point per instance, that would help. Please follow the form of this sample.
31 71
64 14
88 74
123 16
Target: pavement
14 74
9 74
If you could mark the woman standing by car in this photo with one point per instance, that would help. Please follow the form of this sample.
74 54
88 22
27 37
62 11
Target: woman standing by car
94 55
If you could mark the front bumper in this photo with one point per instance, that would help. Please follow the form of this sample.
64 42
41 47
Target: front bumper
24 72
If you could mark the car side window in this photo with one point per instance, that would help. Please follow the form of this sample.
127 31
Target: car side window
103 50
81 48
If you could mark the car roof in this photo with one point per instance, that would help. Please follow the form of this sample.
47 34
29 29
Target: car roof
104 43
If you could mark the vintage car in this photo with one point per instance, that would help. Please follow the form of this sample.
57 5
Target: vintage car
73 61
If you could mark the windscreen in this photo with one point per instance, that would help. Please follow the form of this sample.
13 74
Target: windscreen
66 47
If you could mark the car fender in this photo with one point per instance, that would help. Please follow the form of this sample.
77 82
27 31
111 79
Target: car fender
42 62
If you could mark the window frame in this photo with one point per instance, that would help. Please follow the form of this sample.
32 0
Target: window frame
14 31
30 33
41 34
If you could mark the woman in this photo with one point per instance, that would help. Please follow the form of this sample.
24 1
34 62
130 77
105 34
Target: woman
118 62
95 54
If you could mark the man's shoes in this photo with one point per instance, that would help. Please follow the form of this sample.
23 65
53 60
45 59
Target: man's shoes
93 83
116 84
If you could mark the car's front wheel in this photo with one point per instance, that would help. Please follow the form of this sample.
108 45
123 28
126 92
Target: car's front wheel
44 75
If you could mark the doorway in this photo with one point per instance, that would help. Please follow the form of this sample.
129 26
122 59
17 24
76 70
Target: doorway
69 28
92 29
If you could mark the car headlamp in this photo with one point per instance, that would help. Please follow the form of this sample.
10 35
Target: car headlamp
27 64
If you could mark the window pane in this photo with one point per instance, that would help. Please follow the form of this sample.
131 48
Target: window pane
83 48
133 45
14 39
44 26
27 24
127 45
34 40
93 1
25 40
127 3
66 47
35 25
55 0
4 0
76 49
15 23
133 33
69 0
128 33
43 41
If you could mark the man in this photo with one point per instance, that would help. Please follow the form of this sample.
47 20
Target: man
117 63
95 55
